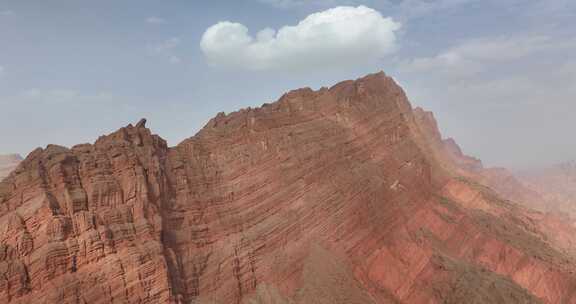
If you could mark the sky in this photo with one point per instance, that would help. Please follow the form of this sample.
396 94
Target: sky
500 75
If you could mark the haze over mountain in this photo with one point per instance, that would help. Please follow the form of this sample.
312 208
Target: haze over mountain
340 195
8 163
499 74
414 186
556 184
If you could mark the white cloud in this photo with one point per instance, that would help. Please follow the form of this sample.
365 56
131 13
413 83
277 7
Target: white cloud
472 56
335 37
417 8
155 20
174 59
551 8
318 3
167 49
283 3
63 96
166 45
402 9
503 48
499 71
7 13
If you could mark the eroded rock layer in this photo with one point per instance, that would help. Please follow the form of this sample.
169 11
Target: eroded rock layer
329 196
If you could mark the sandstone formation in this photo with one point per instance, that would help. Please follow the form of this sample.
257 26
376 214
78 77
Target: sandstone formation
8 163
547 192
340 195
451 157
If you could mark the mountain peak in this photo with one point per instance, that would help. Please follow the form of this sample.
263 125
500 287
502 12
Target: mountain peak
319 194
141 123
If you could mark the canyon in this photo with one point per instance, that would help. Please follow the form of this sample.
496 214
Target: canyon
345 194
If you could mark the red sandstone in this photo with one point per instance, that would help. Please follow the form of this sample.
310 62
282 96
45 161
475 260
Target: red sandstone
342 195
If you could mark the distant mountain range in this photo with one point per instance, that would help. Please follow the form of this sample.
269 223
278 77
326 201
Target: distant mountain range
8 163
556 184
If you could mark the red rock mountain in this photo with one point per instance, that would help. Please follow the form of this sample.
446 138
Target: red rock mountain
341 195
546 192
8 163
500 180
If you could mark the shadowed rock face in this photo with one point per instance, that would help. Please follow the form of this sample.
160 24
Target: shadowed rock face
329 196
8 163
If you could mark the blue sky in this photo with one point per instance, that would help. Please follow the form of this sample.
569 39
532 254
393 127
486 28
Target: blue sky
500 75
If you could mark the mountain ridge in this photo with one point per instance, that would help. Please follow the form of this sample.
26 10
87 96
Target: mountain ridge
338 194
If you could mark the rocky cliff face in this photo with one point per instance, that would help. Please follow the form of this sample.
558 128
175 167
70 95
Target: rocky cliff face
8 163
546 192
328 196
450 156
